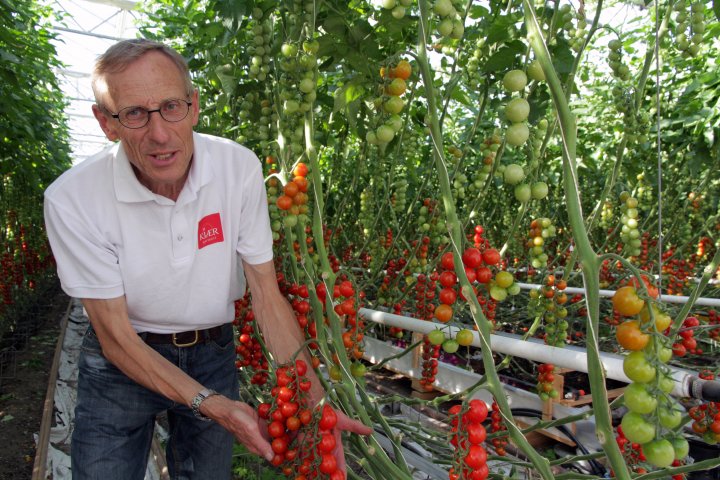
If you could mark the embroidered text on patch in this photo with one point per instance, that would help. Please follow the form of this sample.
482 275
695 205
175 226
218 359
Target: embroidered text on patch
209 230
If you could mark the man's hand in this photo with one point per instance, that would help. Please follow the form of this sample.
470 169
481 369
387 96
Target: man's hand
242 421
344 423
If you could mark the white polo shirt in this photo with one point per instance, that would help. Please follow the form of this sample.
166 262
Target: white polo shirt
177 263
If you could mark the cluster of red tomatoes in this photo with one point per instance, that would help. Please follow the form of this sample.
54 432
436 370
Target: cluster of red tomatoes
476 265
430 355
249 349
424 293
546 377
706 421
291 423
468 435
499 440
687 342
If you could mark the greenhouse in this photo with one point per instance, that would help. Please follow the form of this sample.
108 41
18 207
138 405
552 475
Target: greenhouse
362 239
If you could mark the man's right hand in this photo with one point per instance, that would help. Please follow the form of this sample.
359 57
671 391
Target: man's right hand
242 421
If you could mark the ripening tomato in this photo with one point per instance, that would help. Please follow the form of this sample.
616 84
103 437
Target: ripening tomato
630 337
443 313
300 170
652 289
464 337
627 302
284 202
402 70
662 319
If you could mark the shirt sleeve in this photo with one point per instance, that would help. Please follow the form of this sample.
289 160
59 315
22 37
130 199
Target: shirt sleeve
255 236
87 264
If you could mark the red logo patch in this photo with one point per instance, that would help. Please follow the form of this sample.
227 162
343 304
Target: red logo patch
209 230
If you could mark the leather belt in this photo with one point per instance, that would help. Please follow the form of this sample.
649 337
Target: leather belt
183 339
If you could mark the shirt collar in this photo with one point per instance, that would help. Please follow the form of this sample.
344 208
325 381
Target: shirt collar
129 189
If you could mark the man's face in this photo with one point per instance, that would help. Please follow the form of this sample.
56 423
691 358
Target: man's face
161 151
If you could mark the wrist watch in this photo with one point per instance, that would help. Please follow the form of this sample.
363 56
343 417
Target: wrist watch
197 401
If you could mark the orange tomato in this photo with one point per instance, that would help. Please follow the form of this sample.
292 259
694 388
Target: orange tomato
284 202
443 313
403 70
627 302
630 337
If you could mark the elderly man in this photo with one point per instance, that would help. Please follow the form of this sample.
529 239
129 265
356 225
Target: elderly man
157 235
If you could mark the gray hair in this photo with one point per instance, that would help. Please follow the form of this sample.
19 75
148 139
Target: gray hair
121 55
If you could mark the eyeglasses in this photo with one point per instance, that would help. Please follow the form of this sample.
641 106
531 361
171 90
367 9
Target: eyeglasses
173 110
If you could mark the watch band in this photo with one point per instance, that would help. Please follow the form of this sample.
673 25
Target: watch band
197 401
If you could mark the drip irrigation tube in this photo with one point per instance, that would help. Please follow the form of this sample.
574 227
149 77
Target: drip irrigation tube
687 383
708 302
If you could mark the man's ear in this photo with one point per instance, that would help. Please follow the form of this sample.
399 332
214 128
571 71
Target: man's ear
109 127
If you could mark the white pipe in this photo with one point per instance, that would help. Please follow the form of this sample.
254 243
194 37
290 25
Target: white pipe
531 349
710 302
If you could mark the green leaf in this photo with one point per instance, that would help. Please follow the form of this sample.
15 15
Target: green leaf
227 77
716 8
505 57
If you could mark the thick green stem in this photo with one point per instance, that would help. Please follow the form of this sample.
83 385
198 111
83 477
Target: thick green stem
456 240
588 258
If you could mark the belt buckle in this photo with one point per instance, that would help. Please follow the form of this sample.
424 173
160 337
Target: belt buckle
189 344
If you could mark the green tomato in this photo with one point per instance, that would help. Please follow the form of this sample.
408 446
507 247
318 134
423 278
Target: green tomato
666 383
670 417
289 50
517 134
450 345
384 134
513 174
517 110
659 453
358 369
681 447
498 293
539 190
436 337
393 105
523 193
638 399
514 80
636 428
637 368
535 71
443 7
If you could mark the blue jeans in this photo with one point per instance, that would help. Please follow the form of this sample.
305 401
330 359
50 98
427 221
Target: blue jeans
115 417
